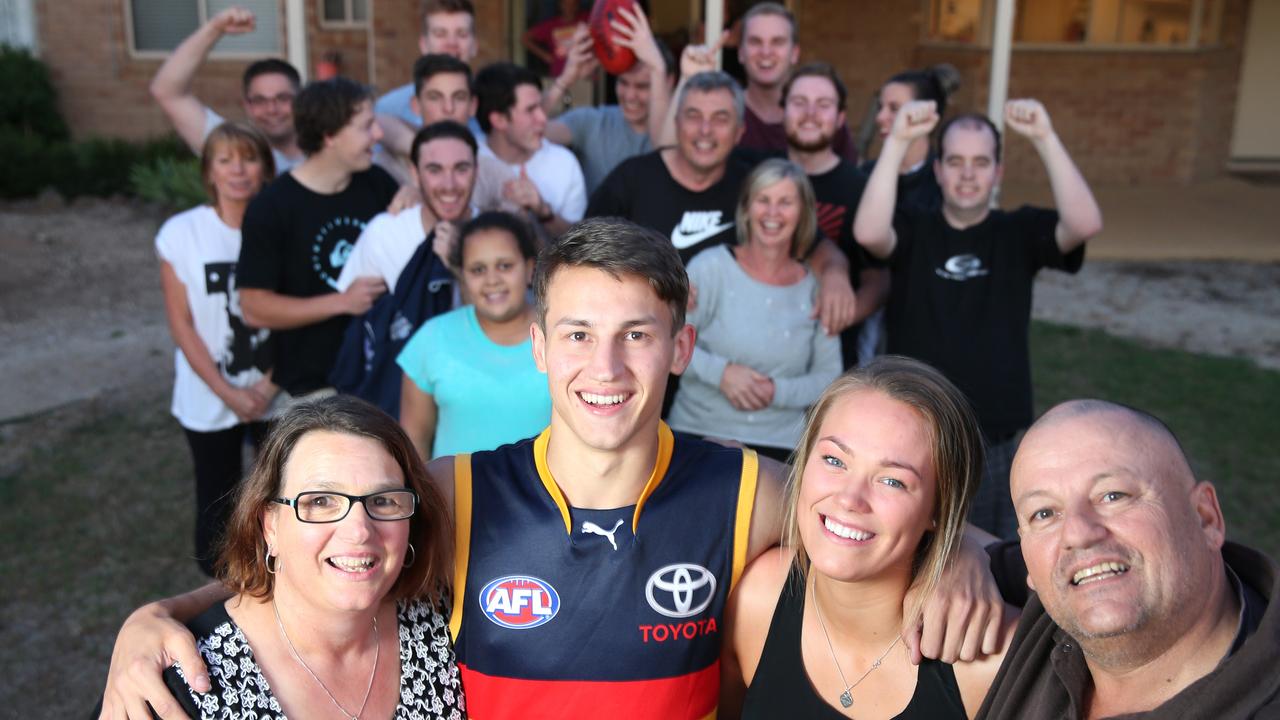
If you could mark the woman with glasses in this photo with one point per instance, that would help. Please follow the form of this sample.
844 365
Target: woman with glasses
337 553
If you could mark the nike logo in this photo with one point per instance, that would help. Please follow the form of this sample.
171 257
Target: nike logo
696 226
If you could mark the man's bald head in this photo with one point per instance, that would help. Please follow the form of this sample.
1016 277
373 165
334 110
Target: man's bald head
1122 544
1140 426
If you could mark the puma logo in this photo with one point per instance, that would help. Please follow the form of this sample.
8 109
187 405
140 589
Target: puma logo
594 529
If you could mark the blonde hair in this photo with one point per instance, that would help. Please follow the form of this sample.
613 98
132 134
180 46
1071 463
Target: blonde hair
244 139
957 455
764 175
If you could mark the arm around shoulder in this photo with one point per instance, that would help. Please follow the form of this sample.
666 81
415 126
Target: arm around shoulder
976 677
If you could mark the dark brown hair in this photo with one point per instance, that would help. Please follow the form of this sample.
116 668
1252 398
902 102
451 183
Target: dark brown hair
241 566
618 247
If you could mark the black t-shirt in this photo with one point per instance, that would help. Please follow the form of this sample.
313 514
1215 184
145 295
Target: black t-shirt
295 242
960 300
917 190
642 190
836 194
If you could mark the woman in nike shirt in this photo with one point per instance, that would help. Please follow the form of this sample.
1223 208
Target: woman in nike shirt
761 356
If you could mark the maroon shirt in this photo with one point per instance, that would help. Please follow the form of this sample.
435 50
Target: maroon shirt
761 135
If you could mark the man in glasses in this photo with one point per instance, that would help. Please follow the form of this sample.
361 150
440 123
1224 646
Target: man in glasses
269 87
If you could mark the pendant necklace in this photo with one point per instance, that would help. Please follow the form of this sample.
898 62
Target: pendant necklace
846 697
377 648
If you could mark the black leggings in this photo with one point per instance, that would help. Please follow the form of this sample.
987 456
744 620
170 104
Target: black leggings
218 465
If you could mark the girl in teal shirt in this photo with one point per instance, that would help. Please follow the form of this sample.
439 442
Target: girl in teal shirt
469 378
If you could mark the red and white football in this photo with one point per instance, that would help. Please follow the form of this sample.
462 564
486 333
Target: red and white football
613 58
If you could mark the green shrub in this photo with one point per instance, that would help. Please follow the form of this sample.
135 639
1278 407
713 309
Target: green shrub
29 103
172 181
97 166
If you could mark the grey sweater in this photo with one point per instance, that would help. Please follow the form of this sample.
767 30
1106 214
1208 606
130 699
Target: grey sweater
768 329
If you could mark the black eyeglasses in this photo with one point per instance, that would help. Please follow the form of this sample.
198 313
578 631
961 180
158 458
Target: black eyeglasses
326 506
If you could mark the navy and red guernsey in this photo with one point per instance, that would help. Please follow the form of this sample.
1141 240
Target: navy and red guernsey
564 612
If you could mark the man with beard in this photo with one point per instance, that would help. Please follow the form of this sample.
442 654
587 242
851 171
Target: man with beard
768 50
300 229
813 101
1142 609
269 87
409 253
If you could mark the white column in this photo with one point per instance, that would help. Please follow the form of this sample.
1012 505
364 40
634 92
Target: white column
1001 49
714 16
295 23
998 86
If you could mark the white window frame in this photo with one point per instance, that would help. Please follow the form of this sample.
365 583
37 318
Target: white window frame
202 17
986 22
347 23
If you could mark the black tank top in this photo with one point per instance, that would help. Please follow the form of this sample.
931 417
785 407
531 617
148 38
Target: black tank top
781 688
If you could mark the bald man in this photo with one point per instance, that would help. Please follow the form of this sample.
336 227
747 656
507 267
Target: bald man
1140 607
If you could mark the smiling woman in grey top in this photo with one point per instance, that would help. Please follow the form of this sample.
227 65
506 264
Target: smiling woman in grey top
761 358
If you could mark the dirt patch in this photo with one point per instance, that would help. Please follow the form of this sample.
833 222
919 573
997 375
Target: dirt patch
81 312
1213 308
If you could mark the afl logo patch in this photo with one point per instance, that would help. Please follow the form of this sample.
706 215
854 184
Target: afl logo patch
680 590
519 602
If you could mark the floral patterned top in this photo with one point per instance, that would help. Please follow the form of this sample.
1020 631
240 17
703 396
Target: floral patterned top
430 686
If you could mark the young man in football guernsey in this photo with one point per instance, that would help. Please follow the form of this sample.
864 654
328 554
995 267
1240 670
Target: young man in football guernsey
592 563
960 288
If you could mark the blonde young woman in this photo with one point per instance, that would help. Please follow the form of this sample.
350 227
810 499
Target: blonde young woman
882 480
222 383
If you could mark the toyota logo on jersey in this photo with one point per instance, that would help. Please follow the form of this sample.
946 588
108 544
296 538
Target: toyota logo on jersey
680 590
519 602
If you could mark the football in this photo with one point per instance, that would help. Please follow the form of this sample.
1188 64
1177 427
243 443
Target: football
615 59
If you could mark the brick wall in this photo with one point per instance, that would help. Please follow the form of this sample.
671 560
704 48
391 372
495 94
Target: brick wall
1126 117
102 90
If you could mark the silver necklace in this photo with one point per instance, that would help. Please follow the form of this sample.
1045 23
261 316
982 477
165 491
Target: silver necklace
846 697
377 649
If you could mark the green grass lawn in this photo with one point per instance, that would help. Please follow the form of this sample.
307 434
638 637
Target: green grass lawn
1226 413
97 513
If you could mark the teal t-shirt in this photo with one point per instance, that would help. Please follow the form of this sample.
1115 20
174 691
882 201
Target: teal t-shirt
487 394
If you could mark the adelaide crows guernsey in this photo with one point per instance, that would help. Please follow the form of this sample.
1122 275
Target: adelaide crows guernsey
568 612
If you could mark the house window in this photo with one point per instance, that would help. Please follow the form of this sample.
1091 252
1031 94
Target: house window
1108 23
158 26
17 24
344 12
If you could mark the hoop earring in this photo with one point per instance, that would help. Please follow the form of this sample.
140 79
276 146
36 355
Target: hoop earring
266 561
413 557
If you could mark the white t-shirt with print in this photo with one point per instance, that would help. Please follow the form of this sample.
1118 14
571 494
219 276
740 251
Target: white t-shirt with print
202 250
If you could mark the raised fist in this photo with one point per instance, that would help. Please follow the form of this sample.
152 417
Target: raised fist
1027 118
234 21
915 119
